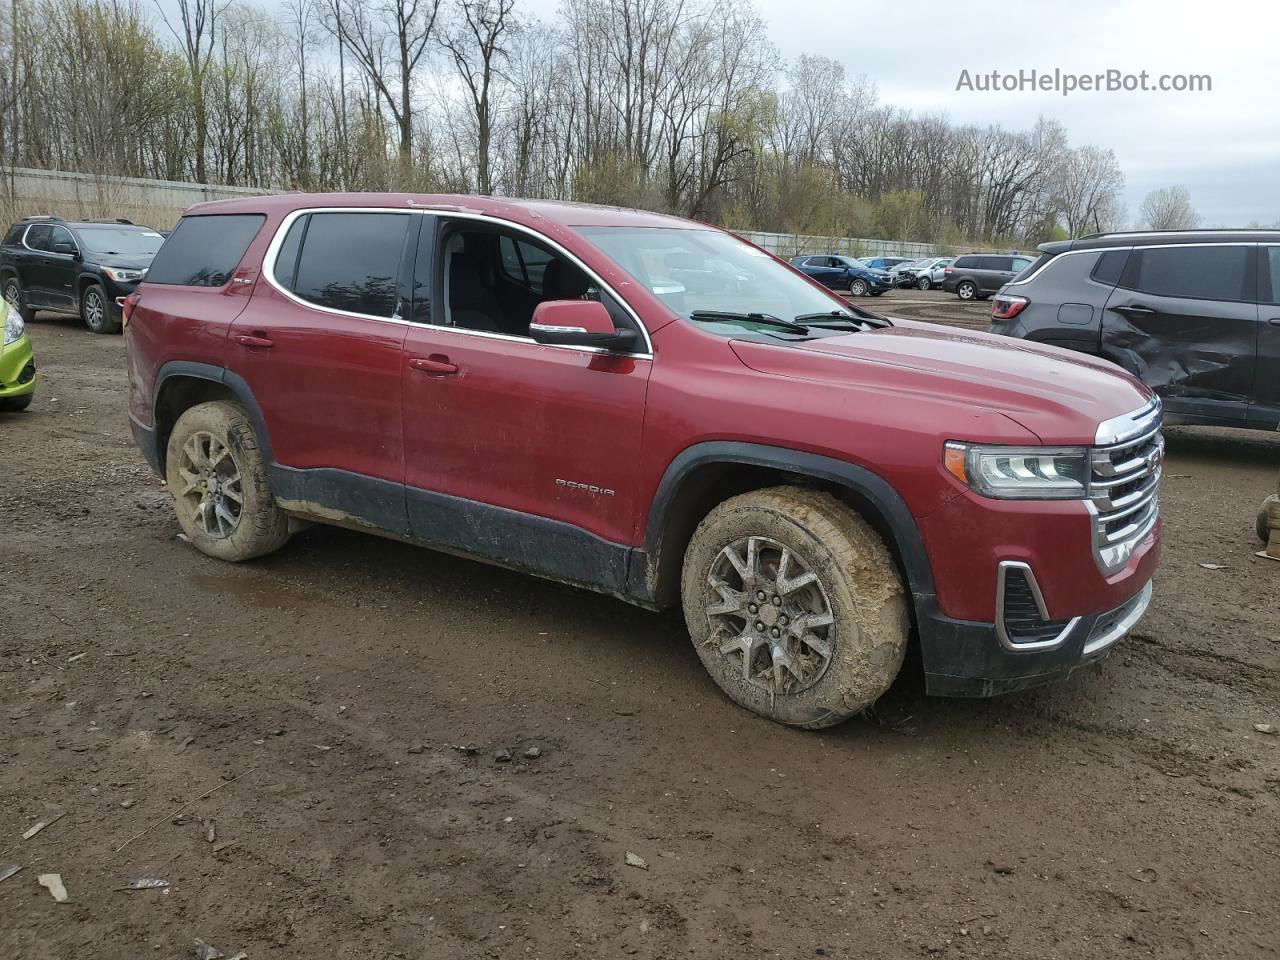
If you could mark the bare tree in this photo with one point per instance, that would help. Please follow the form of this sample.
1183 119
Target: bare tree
1168 208
388 41
474 43
199 22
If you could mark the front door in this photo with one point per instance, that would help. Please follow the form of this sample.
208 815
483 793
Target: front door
319 347
514 451
1184 320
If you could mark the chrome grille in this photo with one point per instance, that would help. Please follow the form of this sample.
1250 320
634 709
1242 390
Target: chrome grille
1124 484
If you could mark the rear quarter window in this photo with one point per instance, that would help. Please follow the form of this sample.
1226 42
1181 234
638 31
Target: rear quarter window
14 236
965 263
351 261
1109 267
204 251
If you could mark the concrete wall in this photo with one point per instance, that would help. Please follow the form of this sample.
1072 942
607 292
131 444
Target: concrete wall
156 203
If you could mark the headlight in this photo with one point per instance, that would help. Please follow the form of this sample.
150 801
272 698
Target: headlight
120 275
1020 473
13 325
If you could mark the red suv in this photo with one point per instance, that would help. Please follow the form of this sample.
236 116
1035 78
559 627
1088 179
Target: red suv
657 410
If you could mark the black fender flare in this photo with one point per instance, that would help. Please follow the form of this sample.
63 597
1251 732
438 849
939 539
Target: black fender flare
874 495
216 374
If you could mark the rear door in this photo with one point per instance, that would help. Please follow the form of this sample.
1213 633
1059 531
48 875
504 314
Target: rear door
61 269
1184 319
826 270
32 262
1264 409
319 346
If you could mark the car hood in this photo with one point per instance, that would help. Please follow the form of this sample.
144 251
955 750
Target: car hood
135 262
1058 395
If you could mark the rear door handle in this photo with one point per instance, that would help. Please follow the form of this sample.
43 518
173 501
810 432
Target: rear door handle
1136 309
436 364
1274 321
261 343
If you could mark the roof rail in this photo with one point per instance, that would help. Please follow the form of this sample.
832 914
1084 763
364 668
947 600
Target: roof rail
1157 233
43 216
129 223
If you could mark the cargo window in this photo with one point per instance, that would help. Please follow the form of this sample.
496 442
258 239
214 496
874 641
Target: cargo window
1195 273
286 265
351 261
1109 267
204 251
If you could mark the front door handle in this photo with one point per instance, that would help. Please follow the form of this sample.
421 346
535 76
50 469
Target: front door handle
1274 321
437 364
261 343
1136 309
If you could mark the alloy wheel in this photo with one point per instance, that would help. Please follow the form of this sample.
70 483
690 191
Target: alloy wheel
13 296
211 484
770 615
94 312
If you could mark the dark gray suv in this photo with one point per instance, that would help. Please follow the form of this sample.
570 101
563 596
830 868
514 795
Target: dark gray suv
979 275
1194 314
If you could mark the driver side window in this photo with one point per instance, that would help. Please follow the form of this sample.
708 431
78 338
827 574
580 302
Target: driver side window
491 280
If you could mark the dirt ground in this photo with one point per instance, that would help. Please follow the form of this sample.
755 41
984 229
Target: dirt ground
314 701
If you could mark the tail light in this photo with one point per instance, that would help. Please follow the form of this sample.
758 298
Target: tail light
947 270
1007 307
126 308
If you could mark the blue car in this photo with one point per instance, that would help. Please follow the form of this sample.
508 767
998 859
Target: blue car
844 273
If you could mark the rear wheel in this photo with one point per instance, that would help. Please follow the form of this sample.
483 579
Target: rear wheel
218 479
858 287
17 302
794 606
923 283
966 290
95 310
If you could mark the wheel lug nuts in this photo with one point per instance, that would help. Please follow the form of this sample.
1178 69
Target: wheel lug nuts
760 626
777 600
760 595
753 608
775 632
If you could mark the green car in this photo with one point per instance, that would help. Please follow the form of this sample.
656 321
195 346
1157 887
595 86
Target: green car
17 362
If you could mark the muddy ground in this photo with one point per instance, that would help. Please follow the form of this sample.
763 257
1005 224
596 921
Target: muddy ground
315 698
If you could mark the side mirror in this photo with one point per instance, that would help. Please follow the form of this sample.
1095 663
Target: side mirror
578 323
63 247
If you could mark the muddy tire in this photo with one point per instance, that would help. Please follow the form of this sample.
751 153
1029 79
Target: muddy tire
794 606
17 298
216 474
1263 526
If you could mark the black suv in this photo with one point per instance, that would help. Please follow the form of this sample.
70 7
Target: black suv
979 275
79 268
1195 314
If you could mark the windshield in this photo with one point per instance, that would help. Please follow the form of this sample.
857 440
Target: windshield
121 241
706 270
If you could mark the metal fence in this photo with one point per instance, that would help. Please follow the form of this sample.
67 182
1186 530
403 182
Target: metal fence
157 203
788 245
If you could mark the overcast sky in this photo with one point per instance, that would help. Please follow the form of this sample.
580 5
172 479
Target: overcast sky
1223 145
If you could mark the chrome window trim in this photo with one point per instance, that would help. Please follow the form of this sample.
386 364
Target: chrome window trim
50 253
1144 246
1002 634
273 249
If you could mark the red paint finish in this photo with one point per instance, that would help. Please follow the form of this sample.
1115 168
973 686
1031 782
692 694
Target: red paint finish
584 437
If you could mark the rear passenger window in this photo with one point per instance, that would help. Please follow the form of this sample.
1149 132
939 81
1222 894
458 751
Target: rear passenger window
351 261
1109 267
204 251
1197 273
1271 292
966 263
997 263
40 237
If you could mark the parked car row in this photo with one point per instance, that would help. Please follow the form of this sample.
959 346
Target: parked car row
845 273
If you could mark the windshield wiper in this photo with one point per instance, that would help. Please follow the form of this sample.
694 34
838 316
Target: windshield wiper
767 319
842 318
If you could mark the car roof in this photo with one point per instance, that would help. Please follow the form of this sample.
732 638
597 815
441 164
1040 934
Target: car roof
528 212
1147 238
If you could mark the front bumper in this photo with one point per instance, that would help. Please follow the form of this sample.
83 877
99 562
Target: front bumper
17 369
967 659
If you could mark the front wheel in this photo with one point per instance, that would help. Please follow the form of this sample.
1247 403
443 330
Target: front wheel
966 290
858 288
923 283
16 301
216 474
794 606
95 310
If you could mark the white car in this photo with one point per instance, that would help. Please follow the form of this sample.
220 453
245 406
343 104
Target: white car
924 274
